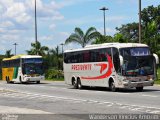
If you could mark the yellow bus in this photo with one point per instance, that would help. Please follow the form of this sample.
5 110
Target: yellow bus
22 69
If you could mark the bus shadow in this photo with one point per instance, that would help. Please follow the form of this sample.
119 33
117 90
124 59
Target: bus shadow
31 83
120 90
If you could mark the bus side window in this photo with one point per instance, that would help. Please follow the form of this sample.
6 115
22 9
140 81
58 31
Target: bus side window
103 55
116 60
108 52
86 56
23 69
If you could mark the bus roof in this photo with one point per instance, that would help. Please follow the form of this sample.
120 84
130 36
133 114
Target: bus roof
105 45
22 56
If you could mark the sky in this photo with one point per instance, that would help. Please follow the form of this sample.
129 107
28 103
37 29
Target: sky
57 19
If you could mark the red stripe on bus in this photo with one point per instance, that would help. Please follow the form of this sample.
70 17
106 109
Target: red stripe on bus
103 67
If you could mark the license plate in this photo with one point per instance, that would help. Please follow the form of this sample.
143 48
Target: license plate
140 85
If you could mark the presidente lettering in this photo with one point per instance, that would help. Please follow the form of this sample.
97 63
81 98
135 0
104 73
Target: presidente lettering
82 67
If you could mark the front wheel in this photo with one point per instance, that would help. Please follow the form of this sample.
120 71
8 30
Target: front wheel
112 86
38 82
139 89
20 80
7 80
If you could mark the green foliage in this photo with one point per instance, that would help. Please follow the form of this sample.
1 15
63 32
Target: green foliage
37 49
8 54
118 37
150 14
82 38
54 59
54 74
158 73
152 37
1 58
129 32
103 39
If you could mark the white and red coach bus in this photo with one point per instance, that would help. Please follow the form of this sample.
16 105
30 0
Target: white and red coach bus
113 65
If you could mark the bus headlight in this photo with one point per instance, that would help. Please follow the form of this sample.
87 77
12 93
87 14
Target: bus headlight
149 78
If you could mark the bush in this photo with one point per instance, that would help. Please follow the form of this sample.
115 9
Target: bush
54 74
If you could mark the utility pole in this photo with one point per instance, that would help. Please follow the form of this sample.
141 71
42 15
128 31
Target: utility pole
140 28
62 47
62 53
15 47
36 26
104 9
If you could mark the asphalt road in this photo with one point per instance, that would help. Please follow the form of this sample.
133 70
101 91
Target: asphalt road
56 100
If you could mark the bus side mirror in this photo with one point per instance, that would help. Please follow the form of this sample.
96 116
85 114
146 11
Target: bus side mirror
121 60
156 58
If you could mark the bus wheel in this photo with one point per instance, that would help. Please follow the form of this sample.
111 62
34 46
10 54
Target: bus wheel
7 79
74 83
20 80
112 86
38 82
139 89
79 85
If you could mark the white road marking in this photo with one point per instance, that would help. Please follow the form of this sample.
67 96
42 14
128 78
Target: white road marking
149 95
16 110
35 96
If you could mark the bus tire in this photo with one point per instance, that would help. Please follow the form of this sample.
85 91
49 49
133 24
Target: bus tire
79 85
112 86
7 79
38 82
74 83
20 80
139 89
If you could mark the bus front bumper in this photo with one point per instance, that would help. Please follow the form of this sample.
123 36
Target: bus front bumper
33 79
138 84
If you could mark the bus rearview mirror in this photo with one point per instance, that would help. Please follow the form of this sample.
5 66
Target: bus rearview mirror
121 60
156 58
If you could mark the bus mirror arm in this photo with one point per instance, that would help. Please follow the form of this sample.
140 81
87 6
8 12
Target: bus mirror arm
121 60
156 58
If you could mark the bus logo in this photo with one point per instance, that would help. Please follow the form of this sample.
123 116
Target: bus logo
103 67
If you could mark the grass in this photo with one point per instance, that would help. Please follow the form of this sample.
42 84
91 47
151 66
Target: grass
158 73
157 82
56 79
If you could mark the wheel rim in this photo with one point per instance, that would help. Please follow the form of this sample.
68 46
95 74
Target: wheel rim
74 84
113 86
79 84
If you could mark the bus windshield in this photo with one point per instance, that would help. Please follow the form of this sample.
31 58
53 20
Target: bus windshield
32 66
137 61
142 66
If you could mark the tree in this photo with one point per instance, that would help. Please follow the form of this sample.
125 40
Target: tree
152 38
129 32
83 39
151 27
118 37
8 53
37 49
53 59
150 14
103 39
